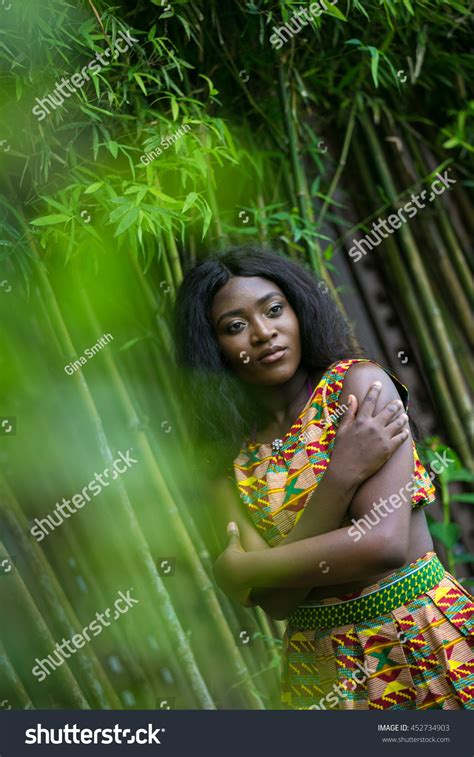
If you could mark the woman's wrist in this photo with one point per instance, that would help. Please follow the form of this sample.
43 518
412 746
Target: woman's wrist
343 478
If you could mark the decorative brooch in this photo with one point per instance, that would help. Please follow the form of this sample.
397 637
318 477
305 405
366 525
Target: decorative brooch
277 444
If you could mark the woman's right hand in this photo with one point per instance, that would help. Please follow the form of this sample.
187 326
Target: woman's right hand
365 440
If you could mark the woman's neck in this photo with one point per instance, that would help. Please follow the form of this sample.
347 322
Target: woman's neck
281 404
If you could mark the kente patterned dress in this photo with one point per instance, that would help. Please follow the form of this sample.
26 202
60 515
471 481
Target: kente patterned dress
405 642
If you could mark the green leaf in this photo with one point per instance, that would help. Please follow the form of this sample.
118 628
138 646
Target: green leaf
207 221
93 187
189 201
446 533
212 89
139 80
129 218
461 474
331 10
174 108
464 557
464 498
113 147
459 8
453 142
374 64
49 220
131 342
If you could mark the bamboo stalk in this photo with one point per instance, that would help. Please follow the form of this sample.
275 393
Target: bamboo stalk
431 365
90 673
13 682
301 187
457 256
16 596
166 500
198 685
459 390
340 166
459 304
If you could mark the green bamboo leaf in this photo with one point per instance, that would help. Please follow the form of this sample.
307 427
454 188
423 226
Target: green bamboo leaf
206 221
49 220
446 533
374 64
58 205
174 108
113 147
189 201
139 80
95 142
131 342
129 218
453 142
331 10
461 474
460 8
93 187
464 557
464 498
212 89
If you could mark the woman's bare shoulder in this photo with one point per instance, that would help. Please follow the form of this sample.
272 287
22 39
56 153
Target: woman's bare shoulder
360 376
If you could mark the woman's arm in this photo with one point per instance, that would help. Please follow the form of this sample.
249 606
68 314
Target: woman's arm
376 437
349 555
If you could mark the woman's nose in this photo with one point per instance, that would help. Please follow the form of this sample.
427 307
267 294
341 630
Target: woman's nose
262 331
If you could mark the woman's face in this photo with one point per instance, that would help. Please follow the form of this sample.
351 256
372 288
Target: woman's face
251 315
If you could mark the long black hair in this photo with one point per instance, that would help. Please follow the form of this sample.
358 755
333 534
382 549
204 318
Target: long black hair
219 408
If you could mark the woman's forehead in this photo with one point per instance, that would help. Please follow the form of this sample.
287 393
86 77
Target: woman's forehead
245 287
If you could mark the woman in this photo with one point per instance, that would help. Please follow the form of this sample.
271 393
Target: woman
329 530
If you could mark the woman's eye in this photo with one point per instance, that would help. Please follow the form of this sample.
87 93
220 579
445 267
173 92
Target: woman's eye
230 330
272 309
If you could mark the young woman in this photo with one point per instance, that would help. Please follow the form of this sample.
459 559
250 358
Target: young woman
329 529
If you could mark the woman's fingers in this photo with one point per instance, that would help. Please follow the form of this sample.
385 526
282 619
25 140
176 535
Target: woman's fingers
397 440
391 411
349 414
397 425
370 400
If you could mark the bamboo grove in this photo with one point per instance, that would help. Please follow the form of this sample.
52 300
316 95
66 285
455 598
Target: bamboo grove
201 134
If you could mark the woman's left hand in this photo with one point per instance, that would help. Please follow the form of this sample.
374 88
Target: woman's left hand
231 569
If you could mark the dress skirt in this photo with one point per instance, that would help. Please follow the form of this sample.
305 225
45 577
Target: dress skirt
404 643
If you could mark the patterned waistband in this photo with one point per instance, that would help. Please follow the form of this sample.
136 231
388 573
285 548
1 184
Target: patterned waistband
403 586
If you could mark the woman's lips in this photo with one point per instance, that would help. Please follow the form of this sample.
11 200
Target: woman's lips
273 357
